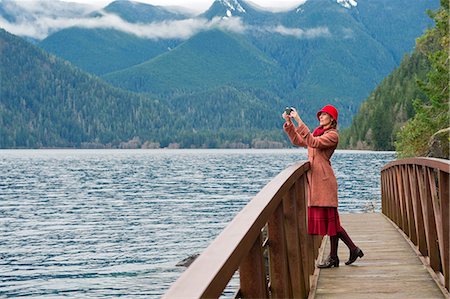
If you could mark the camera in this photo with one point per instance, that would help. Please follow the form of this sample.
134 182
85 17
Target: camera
288 110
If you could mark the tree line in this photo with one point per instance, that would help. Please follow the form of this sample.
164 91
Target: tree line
412 103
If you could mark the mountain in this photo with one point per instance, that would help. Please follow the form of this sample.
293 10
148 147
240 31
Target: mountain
388 107
136 12
101 51
209 59
410 106
390 23
326 52
330 57
46 102
236 53
247 11
104 50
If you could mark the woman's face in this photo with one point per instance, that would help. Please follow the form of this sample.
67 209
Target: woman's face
325 119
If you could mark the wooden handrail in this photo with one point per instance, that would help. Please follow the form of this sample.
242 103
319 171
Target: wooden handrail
415 196
281 206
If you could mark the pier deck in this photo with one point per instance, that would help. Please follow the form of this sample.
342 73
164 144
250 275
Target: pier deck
390 267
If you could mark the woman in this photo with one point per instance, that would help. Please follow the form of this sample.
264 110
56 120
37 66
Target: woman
323 217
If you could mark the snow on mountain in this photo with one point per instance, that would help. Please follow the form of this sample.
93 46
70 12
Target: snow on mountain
232 6
347 3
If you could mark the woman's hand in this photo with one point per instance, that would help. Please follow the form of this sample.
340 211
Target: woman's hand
287 117
294 115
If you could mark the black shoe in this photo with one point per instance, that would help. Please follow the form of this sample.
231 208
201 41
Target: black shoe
330 262
354 254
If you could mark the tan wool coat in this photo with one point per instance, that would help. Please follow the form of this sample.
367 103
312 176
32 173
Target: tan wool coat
322 183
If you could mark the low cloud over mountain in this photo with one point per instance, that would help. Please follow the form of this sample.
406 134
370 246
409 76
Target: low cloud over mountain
39 19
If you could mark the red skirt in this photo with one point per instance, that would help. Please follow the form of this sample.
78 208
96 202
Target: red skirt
323 221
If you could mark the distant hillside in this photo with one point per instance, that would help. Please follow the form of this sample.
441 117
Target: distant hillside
411 104
45 102
388 107
209 59
136 12
101 51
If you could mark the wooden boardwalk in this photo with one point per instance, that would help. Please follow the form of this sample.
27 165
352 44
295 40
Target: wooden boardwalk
390 268
414 195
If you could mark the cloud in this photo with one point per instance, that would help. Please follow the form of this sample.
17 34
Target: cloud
301 33
37 8
177 29
40 18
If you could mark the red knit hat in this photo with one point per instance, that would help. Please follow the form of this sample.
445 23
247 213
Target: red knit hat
331 110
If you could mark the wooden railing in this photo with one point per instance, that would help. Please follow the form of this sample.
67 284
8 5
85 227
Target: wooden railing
267 241
415 196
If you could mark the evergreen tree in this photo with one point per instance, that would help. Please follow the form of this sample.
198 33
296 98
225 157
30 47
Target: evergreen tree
432 114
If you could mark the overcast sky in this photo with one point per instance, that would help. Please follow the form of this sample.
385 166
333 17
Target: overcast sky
202 5
41 18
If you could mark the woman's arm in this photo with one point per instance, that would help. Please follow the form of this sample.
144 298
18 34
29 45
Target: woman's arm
291 131
293 135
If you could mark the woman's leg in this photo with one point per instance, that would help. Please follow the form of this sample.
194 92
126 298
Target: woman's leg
355 251
333 259
334 246
342 234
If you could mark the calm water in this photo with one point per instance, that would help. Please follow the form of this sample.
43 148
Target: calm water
110 223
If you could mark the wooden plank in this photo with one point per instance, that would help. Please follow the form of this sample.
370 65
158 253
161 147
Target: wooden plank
390 267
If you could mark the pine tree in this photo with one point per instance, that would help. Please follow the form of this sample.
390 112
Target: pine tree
433 113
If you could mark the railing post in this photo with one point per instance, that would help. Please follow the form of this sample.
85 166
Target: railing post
383 193
430 224
418 214
401 199
444 186
391 202
395 199
293 245
408 199
280 285
303 231
439 225
252 273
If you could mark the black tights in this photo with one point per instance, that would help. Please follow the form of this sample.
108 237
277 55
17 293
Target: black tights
334 240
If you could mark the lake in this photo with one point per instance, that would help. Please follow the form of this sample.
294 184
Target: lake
114 223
